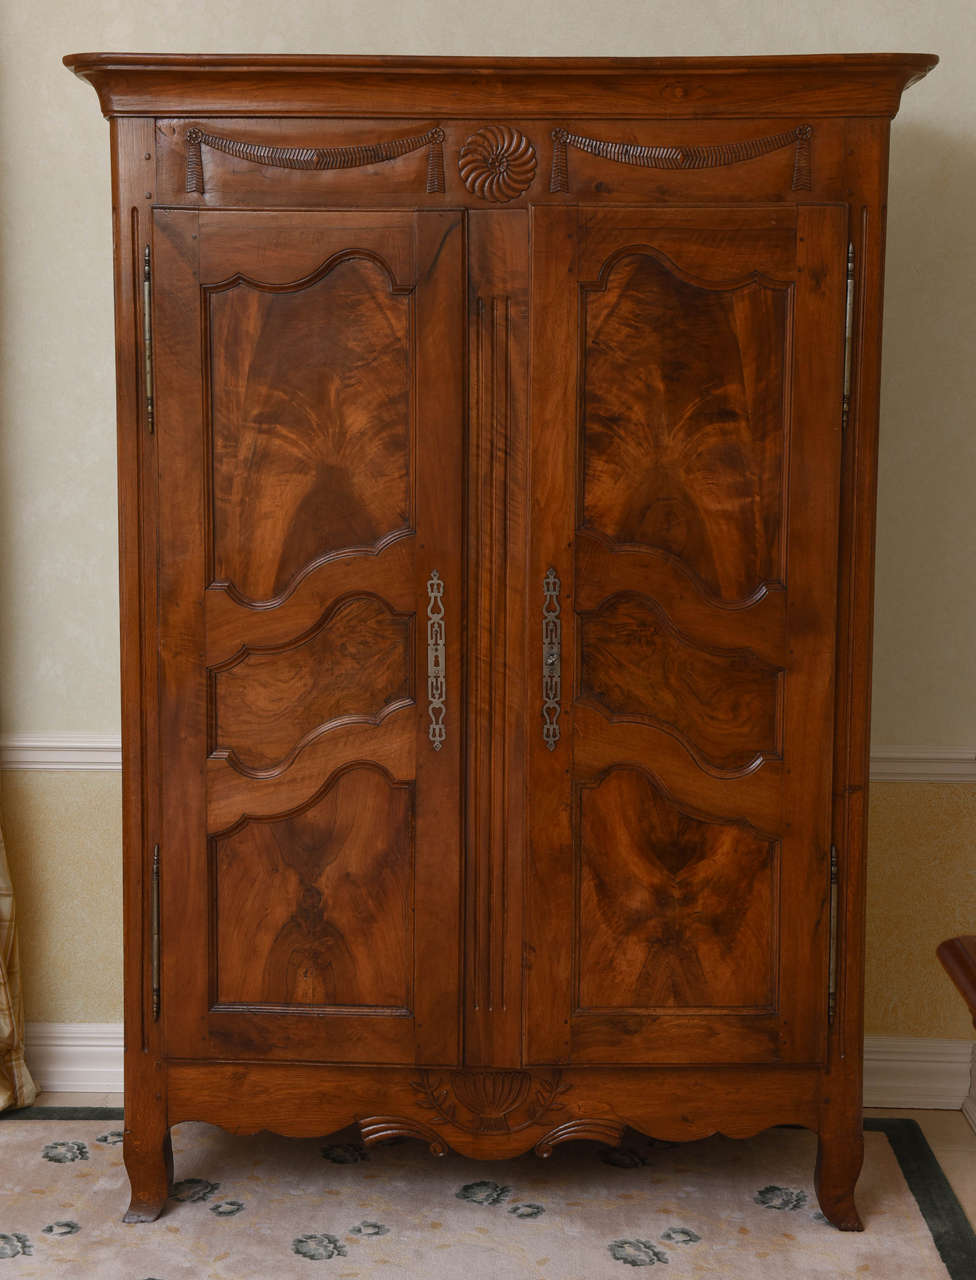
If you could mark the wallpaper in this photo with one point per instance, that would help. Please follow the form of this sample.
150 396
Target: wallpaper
921 890
64 845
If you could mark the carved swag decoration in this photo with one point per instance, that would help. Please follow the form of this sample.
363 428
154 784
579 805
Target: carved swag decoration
316 158
691 157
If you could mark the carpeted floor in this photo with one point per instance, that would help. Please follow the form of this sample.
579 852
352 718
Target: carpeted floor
271 1208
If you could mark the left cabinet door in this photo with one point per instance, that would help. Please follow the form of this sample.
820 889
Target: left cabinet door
309 413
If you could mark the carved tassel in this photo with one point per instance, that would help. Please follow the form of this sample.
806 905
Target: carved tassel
194 162
802 168
559 180
435 162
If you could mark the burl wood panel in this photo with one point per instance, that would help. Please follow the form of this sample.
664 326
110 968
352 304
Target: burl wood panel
683 419
355 664
311 406
316 909
675 911
722 705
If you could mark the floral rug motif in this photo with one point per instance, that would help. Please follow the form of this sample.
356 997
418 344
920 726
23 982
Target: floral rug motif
253 1208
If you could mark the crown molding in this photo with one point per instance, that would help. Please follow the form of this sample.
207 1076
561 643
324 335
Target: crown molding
161 84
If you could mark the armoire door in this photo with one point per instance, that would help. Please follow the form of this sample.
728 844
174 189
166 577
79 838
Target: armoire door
308 410
687 384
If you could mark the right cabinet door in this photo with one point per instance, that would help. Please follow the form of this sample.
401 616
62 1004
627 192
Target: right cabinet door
687 383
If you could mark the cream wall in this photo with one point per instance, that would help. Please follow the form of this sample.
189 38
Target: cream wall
63 833
58 596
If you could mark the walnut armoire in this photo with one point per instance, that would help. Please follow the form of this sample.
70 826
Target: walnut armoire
497 446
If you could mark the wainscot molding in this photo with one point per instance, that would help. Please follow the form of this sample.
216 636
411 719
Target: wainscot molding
912 1071
923 764
75 1057
60 751
104 751
899 1071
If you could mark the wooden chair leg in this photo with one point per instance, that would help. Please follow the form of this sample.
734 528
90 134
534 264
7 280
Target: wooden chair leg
958 956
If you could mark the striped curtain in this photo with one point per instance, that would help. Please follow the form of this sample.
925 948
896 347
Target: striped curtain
16 1086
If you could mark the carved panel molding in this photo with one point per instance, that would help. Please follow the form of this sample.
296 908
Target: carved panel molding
491 1101
693 157
723 705
353 666
315 158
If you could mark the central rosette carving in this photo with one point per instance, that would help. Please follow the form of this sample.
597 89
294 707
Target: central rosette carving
497 163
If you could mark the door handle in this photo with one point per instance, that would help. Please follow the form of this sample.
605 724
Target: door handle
436 651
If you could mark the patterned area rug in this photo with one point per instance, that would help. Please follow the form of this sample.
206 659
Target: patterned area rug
272 1208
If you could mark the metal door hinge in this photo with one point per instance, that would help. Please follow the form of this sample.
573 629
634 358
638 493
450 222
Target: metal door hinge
154 944
848 336
147 348
832 963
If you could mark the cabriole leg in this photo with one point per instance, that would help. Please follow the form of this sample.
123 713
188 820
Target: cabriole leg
149 1164
839 1160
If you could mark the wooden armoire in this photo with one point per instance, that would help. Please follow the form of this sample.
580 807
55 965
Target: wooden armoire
497 448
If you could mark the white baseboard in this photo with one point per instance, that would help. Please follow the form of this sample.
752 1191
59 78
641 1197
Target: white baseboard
899 1071
908 1071
75 1057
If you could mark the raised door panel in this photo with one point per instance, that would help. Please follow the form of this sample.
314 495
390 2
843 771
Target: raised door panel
309 422
314 910
654 887
686 392
311 459
706 489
